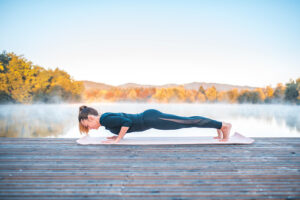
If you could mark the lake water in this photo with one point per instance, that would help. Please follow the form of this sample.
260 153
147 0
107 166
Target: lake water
61 120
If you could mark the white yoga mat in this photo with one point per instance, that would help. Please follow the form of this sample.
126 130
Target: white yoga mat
237 138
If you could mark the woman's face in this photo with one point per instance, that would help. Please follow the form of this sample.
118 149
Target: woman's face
91 122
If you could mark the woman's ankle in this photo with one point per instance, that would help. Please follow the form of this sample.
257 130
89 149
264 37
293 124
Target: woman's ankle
225 125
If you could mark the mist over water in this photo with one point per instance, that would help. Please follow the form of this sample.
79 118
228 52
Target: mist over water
61 120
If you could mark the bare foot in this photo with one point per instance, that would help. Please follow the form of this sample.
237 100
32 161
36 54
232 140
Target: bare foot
219 134
226 127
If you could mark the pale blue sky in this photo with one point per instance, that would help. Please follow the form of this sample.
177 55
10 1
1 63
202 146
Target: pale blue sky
245 42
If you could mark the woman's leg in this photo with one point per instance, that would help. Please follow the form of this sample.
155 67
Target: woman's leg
163 121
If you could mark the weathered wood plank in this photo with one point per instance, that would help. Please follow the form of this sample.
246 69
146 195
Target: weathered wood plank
51 168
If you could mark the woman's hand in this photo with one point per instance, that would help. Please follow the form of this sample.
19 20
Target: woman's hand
112 137
110 141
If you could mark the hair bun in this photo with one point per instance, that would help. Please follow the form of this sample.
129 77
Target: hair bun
81 108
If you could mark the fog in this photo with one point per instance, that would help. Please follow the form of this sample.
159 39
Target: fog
61 120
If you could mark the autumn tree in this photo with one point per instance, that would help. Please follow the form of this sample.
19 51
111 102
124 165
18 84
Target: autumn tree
161 95
18 78
191 96
211 94
200 96
269 94
23 82
222 96
178 93
232 95
279 93
261 95
132 94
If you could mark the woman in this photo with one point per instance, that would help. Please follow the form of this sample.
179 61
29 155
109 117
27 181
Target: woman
122 123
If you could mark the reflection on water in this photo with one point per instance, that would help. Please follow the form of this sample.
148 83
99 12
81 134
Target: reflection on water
35 120
60 120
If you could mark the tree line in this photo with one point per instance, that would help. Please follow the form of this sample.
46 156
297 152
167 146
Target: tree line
288 93
23 82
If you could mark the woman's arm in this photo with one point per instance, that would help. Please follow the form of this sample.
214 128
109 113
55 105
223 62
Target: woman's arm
122 133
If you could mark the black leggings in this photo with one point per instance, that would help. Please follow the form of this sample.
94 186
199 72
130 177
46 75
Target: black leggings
163 121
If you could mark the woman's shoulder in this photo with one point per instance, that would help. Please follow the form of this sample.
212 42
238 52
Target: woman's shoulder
103 115
106 114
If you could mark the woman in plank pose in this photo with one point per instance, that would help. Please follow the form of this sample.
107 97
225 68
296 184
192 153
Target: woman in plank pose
122 123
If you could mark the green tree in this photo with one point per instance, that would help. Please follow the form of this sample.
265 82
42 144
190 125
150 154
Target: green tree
201 89
247 96
291 92
4 60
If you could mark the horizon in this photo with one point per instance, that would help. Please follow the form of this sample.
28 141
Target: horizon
245 43
283 83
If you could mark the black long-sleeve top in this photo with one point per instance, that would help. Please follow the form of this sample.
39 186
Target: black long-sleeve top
153 118
114 121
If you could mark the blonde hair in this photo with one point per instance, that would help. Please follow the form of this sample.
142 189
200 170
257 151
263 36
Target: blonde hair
84 111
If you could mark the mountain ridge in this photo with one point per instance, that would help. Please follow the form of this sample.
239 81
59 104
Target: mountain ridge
193 85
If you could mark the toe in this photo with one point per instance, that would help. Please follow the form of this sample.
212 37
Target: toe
223 140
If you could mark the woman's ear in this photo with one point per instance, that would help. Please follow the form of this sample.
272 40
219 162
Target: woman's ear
91 117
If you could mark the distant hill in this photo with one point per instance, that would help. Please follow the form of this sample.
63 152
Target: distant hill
94 85
194 85
219 86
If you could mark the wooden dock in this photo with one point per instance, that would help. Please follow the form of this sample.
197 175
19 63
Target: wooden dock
45 168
